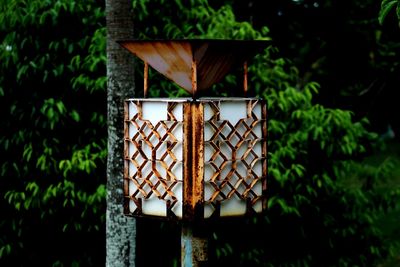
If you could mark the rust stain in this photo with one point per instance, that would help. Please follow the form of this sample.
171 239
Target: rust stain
193 154
145 79
214 58
241 135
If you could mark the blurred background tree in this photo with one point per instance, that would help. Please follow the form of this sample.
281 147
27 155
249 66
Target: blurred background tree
333 191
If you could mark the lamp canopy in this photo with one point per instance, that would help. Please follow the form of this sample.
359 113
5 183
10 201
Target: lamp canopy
175 58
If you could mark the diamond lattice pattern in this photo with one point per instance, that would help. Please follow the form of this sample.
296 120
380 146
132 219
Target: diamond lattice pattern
233 157
153 145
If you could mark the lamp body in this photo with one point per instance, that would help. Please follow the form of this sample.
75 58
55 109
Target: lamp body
195 159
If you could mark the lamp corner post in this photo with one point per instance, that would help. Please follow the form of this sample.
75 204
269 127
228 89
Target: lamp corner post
194 242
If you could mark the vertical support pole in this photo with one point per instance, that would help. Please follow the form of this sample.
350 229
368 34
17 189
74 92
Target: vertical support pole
194 78
193 240
145 78
194 247
193 161
245 88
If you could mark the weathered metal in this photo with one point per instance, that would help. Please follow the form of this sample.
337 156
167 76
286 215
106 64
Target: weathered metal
226 182
194 247
145 79
214 58
194 77
223 155
143 181
193 161
245 86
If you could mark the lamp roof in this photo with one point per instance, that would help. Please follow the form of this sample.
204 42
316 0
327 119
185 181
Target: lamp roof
214 57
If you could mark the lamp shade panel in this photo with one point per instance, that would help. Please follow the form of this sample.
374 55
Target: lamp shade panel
195 159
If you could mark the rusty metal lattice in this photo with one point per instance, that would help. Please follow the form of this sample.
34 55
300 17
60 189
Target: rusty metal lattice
196 161
150 156
237 147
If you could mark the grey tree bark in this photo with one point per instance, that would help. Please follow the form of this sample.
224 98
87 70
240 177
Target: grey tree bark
120 230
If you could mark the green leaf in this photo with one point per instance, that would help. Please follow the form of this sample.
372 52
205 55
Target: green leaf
398 10
75 115
386 7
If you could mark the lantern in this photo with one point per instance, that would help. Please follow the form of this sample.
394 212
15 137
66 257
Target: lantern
195 158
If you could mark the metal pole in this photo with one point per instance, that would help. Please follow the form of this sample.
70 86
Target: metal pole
194 247
245 88
145 78
194 78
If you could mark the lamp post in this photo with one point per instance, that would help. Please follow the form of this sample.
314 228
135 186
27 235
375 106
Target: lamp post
192 159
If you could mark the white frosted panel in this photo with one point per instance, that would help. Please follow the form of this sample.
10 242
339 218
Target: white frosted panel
208 152
178 112
208 172
208 191
258 130
241 169
146 170
233 111
154 111
146 149
226 189
131 149
132 169
258 168
225 170
132 110
208 112
226 130
154 206
233 207
208 132
233 140
161 150
177 171
241 150
208 211
178 151
258 206
257 188
132 206
177 209
132 130
161 170
132 188
218 160
178 132
257 110
258 149
233 181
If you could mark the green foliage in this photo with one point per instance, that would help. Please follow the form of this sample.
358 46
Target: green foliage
323 201
386 7
312 151
53 142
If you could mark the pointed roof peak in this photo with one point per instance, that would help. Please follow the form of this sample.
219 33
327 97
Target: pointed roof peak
213 58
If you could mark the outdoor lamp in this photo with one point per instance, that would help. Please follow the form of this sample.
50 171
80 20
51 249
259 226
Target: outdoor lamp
195 158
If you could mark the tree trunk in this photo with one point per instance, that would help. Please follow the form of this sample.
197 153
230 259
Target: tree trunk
120 230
